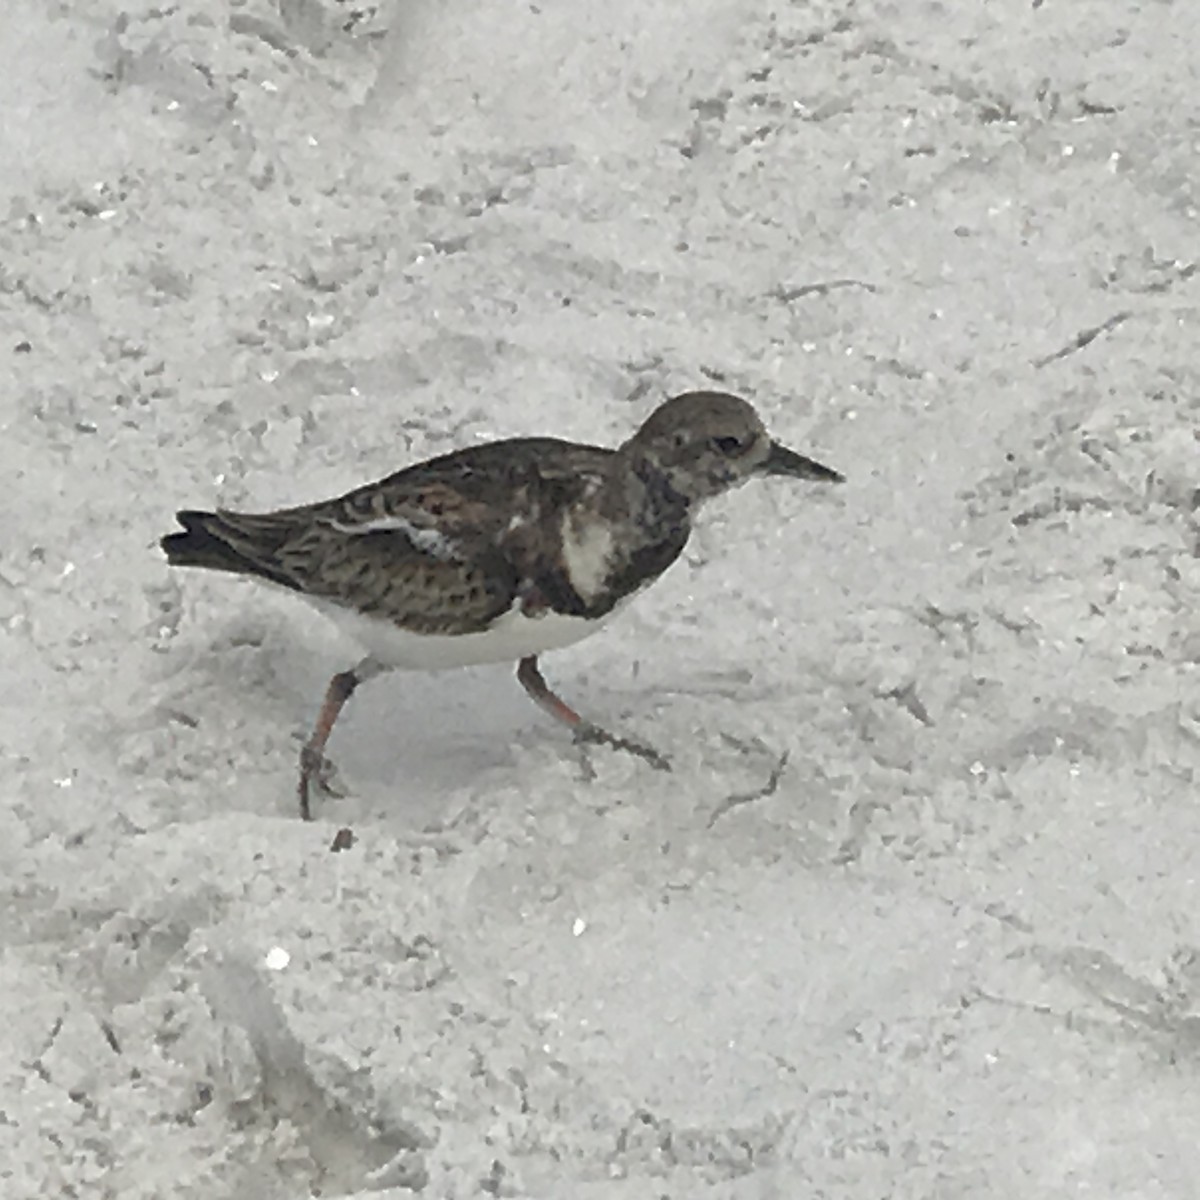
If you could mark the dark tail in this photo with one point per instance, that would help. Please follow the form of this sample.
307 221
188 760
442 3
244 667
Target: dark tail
217 542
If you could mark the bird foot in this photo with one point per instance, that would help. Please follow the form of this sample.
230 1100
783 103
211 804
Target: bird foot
588 734
316 771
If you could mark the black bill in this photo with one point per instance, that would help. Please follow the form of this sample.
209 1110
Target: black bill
782 461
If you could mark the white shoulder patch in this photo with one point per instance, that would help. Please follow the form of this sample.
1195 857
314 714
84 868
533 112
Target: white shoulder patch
587 553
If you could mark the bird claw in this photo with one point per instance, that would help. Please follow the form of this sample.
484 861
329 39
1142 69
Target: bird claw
592 735
316 771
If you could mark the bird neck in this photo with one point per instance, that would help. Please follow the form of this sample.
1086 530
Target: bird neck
649 497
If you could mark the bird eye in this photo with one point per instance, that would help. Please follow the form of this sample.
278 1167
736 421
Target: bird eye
728 445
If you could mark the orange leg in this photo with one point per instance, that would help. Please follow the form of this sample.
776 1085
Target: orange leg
530 677
315 768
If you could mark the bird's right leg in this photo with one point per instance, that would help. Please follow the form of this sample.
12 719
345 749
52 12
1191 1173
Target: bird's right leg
531 679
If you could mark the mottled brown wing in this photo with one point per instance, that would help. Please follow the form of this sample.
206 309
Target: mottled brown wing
441 547
497 477
452 541
459 586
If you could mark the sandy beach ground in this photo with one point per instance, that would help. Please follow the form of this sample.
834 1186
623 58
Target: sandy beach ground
949 948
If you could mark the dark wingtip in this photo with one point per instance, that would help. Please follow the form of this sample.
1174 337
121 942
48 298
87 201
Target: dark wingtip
217 542
191 519
782 461
194 545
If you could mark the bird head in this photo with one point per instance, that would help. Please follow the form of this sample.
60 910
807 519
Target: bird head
704 443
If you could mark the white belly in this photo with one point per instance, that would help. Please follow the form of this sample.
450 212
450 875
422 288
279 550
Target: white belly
511 637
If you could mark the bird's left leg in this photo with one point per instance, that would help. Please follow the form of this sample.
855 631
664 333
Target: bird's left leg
315 768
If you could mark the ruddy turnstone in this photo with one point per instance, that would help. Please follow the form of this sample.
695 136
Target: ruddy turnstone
497 552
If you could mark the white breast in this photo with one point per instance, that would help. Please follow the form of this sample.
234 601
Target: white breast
511 637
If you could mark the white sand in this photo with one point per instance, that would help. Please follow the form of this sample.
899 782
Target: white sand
953 954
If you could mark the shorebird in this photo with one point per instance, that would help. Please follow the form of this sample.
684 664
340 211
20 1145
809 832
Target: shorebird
498 552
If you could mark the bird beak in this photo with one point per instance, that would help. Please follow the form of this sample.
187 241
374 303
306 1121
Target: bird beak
782 461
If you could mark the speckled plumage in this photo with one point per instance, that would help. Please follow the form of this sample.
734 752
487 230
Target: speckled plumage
500 550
